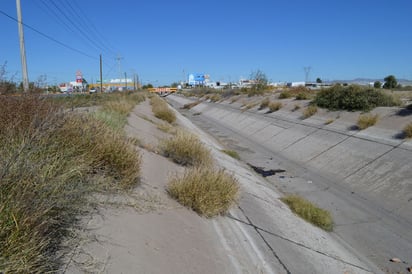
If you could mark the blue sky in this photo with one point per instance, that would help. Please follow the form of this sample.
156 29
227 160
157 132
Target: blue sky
163 40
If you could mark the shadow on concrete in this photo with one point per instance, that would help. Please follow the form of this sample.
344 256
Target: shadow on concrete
353 127
400 135
405 111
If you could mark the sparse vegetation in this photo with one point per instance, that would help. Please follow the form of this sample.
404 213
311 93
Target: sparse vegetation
330 121
251 105
303 96
367 120
231 153
408 130
186 149
309 212
207 191
50 162
190 105
310 111
264 103
285 95
161 110
296 107
274 106
353 98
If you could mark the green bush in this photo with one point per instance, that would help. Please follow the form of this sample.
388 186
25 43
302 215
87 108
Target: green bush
353 98
309 212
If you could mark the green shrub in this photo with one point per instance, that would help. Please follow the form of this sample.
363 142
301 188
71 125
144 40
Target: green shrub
303 96
353 98
206 191
186 149
309 212
231 153
274 106
367 120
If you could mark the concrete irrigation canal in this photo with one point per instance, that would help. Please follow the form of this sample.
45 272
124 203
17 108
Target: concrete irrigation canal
362 177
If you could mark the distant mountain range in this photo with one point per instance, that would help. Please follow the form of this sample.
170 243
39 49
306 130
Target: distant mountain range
366 81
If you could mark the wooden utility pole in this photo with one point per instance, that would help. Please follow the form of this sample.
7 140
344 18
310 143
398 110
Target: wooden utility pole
101 75
22 48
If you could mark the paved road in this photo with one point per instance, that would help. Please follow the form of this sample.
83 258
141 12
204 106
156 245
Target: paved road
363 225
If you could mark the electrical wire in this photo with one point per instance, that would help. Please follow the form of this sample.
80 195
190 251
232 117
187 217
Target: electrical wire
49 37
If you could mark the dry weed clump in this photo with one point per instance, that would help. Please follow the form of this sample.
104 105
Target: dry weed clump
274 106
161 110
190 105
408 130
310 111
186 149
50 161
264 103
207 191
309 212
367 120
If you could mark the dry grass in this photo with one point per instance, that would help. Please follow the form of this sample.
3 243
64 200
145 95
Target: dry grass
309 212
50 163
186 149
161 110
408 130
310 111
250 105
329 121
190 105
208 192
367 120
274 106
264 103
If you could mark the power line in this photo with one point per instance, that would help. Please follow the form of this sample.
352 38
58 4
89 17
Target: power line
49 37
87 23
76 26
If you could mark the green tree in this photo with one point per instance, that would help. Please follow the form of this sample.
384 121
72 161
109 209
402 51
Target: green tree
390 82
318 80
377 84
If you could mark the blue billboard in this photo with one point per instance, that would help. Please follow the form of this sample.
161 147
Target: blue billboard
195 79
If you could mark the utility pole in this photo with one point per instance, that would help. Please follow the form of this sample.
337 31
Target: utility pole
101 74
118 59
22 48
307 71
125 79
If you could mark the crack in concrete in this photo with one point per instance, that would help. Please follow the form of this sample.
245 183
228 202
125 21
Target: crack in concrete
259 230
263 238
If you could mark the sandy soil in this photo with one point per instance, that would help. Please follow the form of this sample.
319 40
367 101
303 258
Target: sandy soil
146 231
